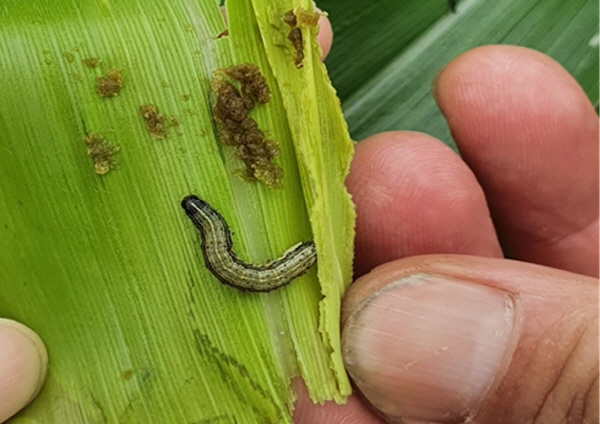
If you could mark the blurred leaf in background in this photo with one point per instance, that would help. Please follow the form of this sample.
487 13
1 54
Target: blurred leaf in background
386 54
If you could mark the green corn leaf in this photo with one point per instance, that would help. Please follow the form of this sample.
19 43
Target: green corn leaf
387 53
105 125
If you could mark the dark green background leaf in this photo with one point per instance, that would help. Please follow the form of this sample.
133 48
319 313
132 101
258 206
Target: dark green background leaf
386 53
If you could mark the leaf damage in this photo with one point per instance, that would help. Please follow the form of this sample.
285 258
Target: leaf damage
236 128
101 152
110 84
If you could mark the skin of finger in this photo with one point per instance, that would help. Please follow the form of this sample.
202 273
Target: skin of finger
23 368
325 35
354 411
553 374
530 135
414 195
394 177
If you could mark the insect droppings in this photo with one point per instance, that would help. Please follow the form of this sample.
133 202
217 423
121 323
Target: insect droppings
237 128
224 264
155 122
295 20
101 151
110 84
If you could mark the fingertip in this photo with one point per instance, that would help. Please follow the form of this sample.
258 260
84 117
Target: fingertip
23 364
487 80
426 347
414 195
325 34
530 134
458 336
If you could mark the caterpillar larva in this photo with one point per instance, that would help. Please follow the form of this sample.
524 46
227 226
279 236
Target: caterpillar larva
228 268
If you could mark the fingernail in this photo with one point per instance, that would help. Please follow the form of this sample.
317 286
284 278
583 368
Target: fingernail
427 348
23 361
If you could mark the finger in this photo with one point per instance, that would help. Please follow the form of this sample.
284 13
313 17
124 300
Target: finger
325 34
467 339
414 195
23 361
354 411
530 135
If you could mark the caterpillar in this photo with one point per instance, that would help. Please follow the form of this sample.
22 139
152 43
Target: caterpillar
223 263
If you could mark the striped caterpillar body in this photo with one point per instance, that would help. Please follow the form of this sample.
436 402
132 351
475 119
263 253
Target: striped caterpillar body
223 263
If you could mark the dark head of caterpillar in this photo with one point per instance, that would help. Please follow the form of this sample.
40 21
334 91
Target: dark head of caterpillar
191 204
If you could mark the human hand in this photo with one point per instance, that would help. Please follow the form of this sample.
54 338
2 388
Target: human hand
23 361
455 338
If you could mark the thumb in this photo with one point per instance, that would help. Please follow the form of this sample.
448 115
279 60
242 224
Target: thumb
23 361
449 339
